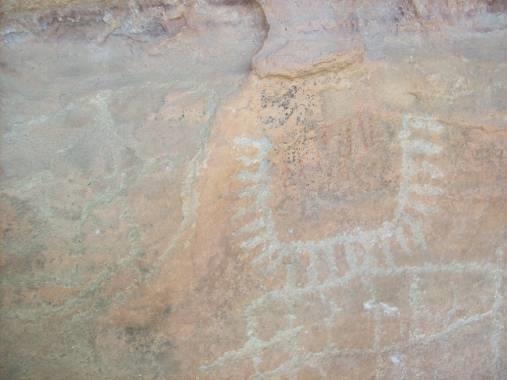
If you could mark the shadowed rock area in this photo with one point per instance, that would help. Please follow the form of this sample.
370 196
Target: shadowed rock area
234 189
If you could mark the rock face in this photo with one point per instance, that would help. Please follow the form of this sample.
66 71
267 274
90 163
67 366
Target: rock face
253 190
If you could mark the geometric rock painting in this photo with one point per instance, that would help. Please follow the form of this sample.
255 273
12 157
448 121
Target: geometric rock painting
241 189
345 292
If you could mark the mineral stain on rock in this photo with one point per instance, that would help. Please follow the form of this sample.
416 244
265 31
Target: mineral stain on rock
267 189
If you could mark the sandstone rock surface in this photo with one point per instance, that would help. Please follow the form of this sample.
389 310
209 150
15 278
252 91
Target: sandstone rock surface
253 190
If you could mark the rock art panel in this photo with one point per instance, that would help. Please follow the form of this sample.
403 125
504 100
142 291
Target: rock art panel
230 189
330 202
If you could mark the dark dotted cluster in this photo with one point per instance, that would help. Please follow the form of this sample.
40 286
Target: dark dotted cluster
278 110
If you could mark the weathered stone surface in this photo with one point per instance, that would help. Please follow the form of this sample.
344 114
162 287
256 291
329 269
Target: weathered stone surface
273 190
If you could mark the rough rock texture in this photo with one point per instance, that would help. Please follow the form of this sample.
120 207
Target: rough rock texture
277 189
